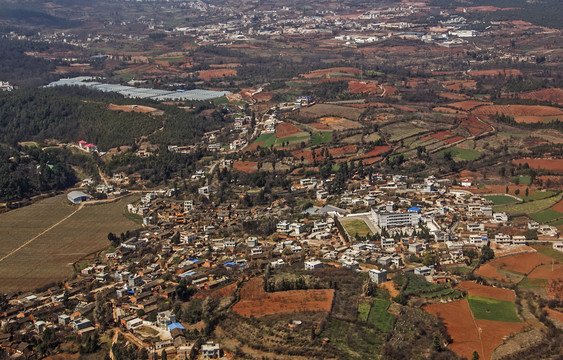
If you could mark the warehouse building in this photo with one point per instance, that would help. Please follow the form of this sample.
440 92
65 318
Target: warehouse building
76 197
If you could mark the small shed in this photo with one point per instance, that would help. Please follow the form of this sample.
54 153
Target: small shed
76 197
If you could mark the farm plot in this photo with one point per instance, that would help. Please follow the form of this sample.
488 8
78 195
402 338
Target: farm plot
501 199
345 71
530 207
518 110
399 131
207 75
284 130
322 137
49 258
547 164
546 215
320 110
256 302
379 317
468 104
493 309
339 124
554 95
245 166
475 289
461 153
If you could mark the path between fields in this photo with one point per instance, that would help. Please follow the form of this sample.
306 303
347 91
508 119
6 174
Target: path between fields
40 234
478 329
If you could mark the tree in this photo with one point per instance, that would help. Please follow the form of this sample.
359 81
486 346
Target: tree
486 254
475 355
471 254
102 311
163 354
436 346
428 259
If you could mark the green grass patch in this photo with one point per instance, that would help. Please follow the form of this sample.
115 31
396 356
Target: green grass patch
321 137
267 139
461 153
292 140
135 217
549 251
530 207
221 100
522 179
356 227
538 195
354 341
394 156
379 317
363 311
528 283
417 284
176 58
335 167
438 293
501 199
461 269
297 84
546 215
454 294
492 309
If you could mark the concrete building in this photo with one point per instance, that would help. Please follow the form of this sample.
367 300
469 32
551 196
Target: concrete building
387 219
378 276
76 197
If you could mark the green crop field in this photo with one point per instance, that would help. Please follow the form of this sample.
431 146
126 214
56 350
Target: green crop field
322 137
267 139
49 257
363 311
549 251
461 153
538 195
546 215
379 317
417 284
354 341
492 309
528 283
356 226
501 199
530 207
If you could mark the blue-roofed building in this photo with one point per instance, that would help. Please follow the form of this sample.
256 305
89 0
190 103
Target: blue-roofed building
415 209
175 325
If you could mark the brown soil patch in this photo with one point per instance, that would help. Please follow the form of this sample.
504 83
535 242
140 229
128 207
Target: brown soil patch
378 150
474 126
256 302
326 72
468 105
522 263
558 206
207 75
548 272
361 87
460 325
284 130
557 315
134 108
473 288
338 123
442 135
519 110
254 146
322 127
390 286
452 96
554 288
245 166
371 160
483 8
445 110
226 291
496 72
547 164
263 96
554 95
319 153
528 119
457 85
228 66
491 272
454 139
494 332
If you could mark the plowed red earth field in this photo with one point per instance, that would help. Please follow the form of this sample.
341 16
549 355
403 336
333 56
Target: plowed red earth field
254 301
518 110
218 73
473 288
284 130
521 263
245 166
547 164
468 105
505 72
552 95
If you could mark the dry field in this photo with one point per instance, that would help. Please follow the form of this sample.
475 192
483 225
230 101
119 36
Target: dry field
338 124
496 72
254 301
378 150
284 130
518 110
554 95
135 108
245 166
358 87
207 75
468 105
547 164
320 110
452 96
473 288
49 257
327 72
491 272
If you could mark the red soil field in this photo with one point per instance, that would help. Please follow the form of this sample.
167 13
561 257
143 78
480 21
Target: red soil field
554 288
474 126
245 166
557 315
378 150
446 110
547 272
325 72
284 130
263 96
522 263
494 332
453 139
319 153
547 164
320 126
226 291
391 91
457 85
132 108
371 160
358 87
442 135
491 272
452 96
558 206
554 95
207 75
337 123
460 325
468 105
253 146
505 72
518 110
473 288
256 302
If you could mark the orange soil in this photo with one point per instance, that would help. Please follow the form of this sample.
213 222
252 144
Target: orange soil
326 72
468 105
319 126
371 160
391 91
554 288
454 139
442 135
132 108
207 75
263 96
457 85
378 150
245 166
494 332
557 315
528 119
284 130
226 291
518 110
357 87
473 288
254 146
554 95
507 72
491 272
558 206
390 286
460 325
547 164
452 96
474 126
522 263
256 302
319 153
446 110
546 272
338 123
